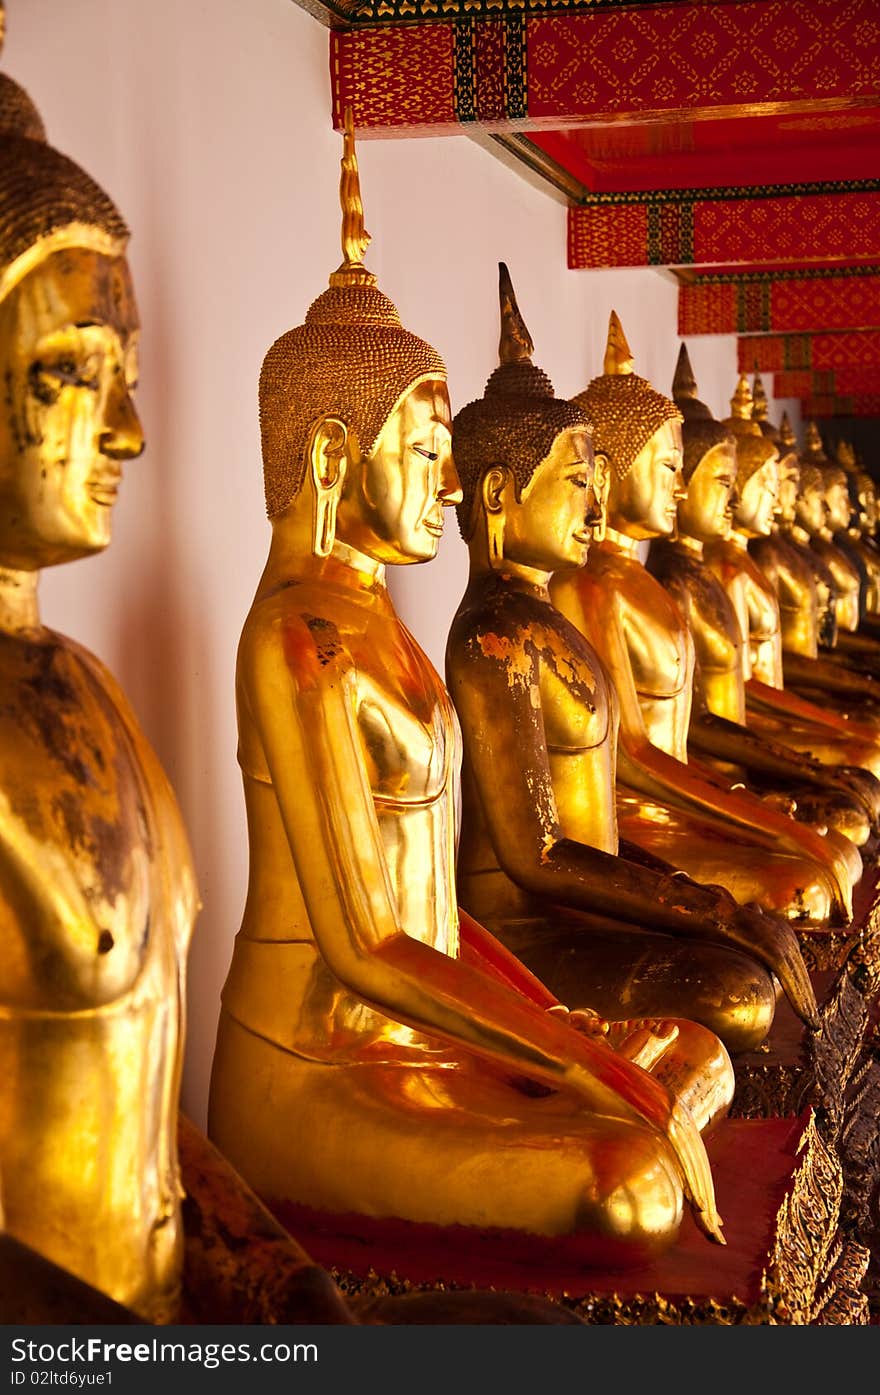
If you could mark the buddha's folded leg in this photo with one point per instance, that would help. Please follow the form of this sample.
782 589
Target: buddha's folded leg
448 1143
710 851
624 971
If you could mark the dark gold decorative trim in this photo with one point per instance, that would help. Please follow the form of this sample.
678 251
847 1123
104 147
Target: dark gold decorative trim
720 193
361 14
542 164
694 276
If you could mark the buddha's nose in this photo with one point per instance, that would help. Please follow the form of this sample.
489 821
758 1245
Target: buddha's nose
122 437
450 491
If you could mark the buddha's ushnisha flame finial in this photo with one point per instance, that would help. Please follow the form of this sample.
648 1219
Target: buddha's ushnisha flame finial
355 238
787 437
760 406
515 345
684 383
741 401
618 355
813 440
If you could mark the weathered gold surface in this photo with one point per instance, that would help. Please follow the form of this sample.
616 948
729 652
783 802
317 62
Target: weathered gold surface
98 895
672 807
539 723
371 1055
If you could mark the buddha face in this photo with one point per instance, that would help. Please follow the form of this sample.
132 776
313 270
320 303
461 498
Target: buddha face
839 507
68 350
706 512
392 500
754 512
644 503
789 483
550 527
811 509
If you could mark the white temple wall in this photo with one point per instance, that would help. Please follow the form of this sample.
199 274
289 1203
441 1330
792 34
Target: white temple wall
208 121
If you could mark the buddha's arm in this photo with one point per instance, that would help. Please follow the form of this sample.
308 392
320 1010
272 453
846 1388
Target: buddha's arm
726 740
782 702
828 676
304 712
508 755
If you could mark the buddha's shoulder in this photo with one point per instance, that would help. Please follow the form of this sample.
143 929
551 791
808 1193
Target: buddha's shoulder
301 614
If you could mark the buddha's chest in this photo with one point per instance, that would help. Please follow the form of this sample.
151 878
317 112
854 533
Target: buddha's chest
657 637
762 603
76 838
67 772
405 720
714 626
574 693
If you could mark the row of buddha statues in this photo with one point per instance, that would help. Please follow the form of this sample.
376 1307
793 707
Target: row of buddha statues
504 936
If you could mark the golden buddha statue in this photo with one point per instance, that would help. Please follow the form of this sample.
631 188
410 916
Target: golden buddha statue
858 537
377 1053
667 804
847 654
844 571
98 894
774 709
538 860
718 730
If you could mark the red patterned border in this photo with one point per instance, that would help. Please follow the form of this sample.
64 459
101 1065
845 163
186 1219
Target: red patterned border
777 353
842 382
788 306
800 228
865 406
400 78
741 56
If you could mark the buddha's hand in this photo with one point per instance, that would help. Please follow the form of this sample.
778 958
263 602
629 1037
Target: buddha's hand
643 1040
583 1020
771 940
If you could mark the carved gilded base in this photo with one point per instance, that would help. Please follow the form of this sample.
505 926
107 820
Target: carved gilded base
787 1263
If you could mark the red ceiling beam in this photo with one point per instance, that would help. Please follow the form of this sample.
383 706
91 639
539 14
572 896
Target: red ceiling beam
587 66
777 353
842 382
833 406
802 224
798 302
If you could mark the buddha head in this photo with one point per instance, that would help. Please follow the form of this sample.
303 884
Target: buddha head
68 347
811 510
709 468
837 498
789 472
354 415
757 472
637 438
525 458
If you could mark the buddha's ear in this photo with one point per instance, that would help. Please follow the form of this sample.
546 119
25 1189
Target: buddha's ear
492 487
328 458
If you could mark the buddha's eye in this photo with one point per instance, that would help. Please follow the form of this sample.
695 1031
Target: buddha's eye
428 454
48 377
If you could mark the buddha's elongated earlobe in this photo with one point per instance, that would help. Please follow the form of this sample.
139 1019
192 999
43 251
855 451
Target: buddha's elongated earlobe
327 461
601 484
